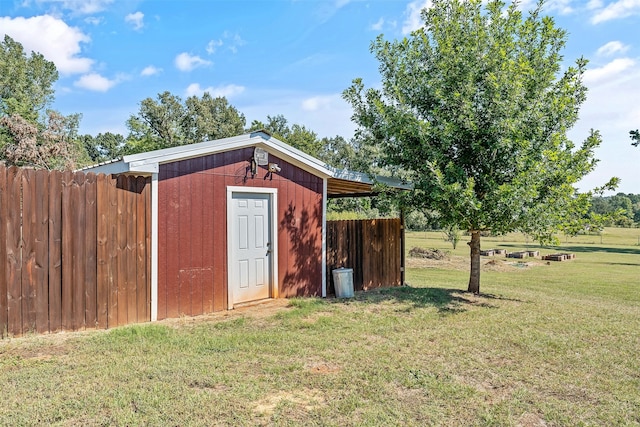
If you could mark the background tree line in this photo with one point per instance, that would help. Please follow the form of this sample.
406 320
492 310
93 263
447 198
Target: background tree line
33 134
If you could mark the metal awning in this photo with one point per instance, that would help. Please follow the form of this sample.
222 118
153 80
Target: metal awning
345 188
346 183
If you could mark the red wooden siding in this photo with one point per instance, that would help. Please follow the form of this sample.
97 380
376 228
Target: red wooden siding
73 250
192 230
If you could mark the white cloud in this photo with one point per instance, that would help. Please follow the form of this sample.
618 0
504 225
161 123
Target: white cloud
378 25
616 10
413 11
331 118
234 41
612 48
562 6
186 62
150 71
80 7
213 45
93 20
231 40
95 82
321 102
594 4
227 91
135 19
51 37
608 71
612 108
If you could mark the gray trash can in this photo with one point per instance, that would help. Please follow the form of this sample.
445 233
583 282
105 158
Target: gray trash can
343 282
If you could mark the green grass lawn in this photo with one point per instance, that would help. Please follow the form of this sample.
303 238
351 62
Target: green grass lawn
555 344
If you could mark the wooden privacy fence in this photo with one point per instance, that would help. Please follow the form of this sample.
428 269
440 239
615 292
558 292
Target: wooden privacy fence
73 250
372 248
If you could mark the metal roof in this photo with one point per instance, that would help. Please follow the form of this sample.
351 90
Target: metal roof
340 182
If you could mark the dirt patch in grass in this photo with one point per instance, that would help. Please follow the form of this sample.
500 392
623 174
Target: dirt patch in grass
323 368
531 420
462 263
259 310
433 253
41 347
303 399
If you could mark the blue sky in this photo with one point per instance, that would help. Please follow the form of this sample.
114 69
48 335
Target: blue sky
295 57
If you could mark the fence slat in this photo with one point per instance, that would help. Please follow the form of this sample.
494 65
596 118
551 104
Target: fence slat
14 254
3 251
28 251
90 243
41 247
112 310
102 250
67 250
123 279
79 223
132 261
140 251
55 251
147 233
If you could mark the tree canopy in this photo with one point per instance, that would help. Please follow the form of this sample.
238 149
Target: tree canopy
169 122
26 82
474 110
635 137
31 134
296 135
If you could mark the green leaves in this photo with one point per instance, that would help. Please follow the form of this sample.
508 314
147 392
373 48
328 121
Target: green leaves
167 121
635 137
26 82
474 109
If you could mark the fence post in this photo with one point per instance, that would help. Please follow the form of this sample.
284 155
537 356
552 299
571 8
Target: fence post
3 251
402 247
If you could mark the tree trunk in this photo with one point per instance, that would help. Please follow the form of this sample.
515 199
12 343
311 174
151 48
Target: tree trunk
474 277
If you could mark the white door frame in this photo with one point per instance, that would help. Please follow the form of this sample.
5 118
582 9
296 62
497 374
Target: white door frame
273 200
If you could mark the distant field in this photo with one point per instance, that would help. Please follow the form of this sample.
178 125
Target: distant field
545 344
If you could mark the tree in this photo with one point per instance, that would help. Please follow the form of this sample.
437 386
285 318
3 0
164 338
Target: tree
104 146
54 147
452 234
158 124
635 137
297 136
168 122
31 134
474 109
26 82
210 118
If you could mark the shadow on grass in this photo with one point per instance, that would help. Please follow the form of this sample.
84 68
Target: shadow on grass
597 249
622 263
572 248
446 301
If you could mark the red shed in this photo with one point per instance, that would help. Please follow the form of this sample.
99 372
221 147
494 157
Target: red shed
236 220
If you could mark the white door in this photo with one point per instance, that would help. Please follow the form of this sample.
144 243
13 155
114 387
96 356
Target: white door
250 240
